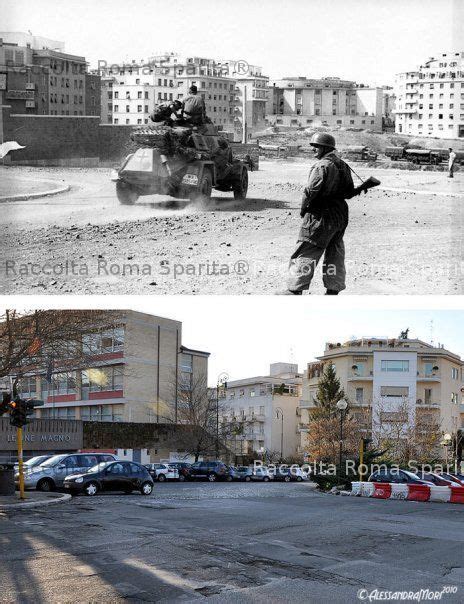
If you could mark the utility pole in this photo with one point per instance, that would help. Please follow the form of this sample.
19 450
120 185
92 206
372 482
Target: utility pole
244 116
221 382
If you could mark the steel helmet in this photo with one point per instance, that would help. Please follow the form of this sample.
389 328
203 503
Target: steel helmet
322 139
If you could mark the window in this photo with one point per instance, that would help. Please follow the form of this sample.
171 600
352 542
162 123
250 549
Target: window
252 392
102 413
127 108
98 379
395 366
139 94
454 373
454 398
110 340
359 395
394 391
139 108
28 386
186 363
428 396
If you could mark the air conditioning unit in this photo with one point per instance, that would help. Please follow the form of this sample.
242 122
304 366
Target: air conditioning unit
419 401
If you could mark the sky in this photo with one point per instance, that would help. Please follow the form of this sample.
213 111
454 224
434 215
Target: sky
244 334
364 40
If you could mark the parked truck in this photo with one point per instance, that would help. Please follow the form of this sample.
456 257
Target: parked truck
359 153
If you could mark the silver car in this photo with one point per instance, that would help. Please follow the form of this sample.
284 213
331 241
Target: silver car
51 474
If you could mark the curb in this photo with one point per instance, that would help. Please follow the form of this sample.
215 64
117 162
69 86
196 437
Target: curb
35 504
26 196
420 192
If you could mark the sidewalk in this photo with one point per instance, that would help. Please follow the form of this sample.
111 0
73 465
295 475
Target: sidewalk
34 499
16 188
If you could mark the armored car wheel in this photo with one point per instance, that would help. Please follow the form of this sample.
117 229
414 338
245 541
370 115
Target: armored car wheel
240 187
126 193
203 191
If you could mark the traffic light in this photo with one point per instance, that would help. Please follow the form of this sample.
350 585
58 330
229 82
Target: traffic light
21 409
5 403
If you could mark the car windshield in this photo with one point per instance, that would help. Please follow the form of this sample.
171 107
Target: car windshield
53 461
99 467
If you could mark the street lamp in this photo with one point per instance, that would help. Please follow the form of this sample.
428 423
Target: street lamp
341 406
280 414
446 442
221 382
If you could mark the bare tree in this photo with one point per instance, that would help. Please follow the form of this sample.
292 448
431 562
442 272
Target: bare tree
30 340
406 432
196 407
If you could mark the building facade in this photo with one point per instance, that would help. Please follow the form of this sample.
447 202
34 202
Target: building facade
134 375
382 376
430 100
260 414
332 102
38 77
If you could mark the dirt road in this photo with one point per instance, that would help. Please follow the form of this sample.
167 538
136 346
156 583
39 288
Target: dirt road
84 242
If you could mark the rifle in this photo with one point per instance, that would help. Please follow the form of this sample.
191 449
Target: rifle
365 185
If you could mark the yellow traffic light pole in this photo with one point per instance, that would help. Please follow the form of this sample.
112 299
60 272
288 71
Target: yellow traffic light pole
19 439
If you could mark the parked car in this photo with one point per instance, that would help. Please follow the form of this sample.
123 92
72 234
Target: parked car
50 475
32 462
183 468
210 470
125 476
458 482
436 479
162 471
262 474
241 473
397 476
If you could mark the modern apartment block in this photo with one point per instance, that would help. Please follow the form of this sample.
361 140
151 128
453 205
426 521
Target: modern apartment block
38 77
430 99
305 102
136 370
259 411
139 85
380 375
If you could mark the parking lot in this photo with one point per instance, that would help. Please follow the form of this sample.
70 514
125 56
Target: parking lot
229 542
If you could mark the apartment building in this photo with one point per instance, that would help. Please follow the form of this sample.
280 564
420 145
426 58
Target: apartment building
306 102
430 100
380 375
260 414
37 76
136 370
139 85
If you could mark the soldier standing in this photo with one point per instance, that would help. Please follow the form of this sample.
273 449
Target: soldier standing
325 218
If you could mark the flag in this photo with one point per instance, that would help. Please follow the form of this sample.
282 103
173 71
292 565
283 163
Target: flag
5 148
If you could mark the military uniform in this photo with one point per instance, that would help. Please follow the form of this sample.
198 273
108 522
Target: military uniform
325 218
194 109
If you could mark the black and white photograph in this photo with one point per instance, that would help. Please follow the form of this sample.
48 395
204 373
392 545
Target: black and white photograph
231 301
254 148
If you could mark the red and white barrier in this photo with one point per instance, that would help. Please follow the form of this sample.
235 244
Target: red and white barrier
409 492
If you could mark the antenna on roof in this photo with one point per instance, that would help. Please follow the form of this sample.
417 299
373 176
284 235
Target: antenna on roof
431 331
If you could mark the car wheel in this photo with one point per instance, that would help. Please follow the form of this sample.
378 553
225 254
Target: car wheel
212 477
161 478
126 193
147 488
266 479
229 478
247 479
181 478
287 479
299 479
91 489
45 485
204 189
240 188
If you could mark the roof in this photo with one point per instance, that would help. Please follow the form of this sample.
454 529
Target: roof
193 351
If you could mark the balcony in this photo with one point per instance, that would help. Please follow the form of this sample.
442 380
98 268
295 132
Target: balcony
360 375
406 111
428 377
302 428
427 405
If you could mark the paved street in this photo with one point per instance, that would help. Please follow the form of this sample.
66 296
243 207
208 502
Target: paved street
229 543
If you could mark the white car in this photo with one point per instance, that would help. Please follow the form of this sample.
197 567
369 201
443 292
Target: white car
162 471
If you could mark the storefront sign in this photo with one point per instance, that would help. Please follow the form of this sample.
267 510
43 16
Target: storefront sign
20 94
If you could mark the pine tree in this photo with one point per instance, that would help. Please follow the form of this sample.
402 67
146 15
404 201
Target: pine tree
329 392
